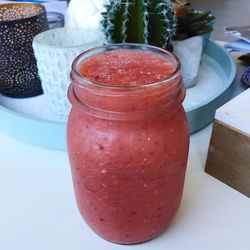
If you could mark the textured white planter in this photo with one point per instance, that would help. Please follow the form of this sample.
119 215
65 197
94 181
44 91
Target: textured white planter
55 50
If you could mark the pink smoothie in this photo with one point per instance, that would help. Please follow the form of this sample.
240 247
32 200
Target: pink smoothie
126 68
128 170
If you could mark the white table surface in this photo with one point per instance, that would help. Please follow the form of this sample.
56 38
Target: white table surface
38 209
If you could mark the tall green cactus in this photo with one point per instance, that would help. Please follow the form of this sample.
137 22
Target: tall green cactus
140 21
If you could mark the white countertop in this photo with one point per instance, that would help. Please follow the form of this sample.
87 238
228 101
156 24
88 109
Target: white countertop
38 209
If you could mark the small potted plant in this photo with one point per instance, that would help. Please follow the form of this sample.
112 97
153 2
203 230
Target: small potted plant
191 38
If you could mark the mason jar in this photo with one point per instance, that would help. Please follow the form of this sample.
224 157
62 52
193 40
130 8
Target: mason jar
127 146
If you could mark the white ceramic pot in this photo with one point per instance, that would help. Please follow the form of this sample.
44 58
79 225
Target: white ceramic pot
189 52
55 51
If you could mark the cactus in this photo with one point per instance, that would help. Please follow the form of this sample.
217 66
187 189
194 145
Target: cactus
140 21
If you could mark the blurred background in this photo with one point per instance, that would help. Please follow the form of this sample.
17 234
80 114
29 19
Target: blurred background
227 13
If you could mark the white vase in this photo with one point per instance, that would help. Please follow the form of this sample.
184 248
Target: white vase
55 51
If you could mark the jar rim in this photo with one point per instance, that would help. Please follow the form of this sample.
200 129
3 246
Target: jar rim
79 79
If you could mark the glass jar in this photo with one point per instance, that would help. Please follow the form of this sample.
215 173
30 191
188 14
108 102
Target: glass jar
128 148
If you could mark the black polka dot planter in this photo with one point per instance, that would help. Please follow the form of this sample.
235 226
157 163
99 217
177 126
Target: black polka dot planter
19 24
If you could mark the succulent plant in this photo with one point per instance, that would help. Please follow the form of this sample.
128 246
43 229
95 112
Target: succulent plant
140 21
191 22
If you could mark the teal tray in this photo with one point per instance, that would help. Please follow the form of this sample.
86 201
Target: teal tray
52 134
36 131
214 86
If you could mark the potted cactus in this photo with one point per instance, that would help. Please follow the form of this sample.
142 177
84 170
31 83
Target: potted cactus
162 23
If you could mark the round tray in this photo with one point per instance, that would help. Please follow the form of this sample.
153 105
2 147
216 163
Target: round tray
29 120
213 89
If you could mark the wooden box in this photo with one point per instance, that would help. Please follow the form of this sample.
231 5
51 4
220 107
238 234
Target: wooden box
228 157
